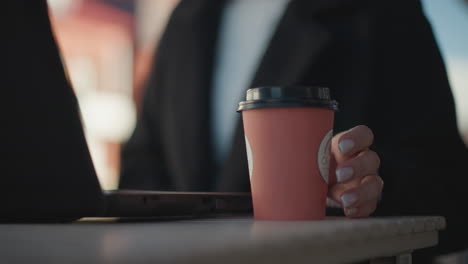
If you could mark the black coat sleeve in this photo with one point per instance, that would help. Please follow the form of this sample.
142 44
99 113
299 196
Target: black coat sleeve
414 120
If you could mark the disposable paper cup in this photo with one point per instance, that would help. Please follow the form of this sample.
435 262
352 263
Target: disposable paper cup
288 132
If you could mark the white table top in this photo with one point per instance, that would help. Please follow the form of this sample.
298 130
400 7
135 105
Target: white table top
232 240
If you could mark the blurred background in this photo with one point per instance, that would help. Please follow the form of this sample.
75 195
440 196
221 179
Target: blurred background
108 45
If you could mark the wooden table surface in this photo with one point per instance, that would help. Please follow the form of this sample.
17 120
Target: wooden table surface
225 240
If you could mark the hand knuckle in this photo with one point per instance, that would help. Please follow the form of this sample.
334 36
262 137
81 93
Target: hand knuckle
375 158
380 182
366 130
362 127
369 162
374 189
367 209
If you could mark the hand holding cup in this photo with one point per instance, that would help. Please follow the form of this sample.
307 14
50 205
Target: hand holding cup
358 186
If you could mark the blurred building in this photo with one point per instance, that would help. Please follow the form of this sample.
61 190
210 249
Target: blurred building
96 41
107 47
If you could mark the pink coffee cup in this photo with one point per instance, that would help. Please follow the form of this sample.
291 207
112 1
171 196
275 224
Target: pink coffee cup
288 133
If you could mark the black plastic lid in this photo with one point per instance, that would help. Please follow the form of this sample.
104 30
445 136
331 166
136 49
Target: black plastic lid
288 96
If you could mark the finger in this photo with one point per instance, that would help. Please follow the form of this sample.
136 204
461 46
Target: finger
350 142
365 163
337 190
364 210
369 190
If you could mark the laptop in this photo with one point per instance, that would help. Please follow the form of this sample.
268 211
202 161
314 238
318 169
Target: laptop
46 171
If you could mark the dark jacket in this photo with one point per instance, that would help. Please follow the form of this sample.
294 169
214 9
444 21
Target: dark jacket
382 64
46 170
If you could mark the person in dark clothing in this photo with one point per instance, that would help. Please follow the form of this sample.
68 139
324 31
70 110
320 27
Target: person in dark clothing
379 59
381 62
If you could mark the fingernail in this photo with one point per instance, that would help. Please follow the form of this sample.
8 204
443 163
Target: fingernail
346 145
344 174
351 211
348 199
